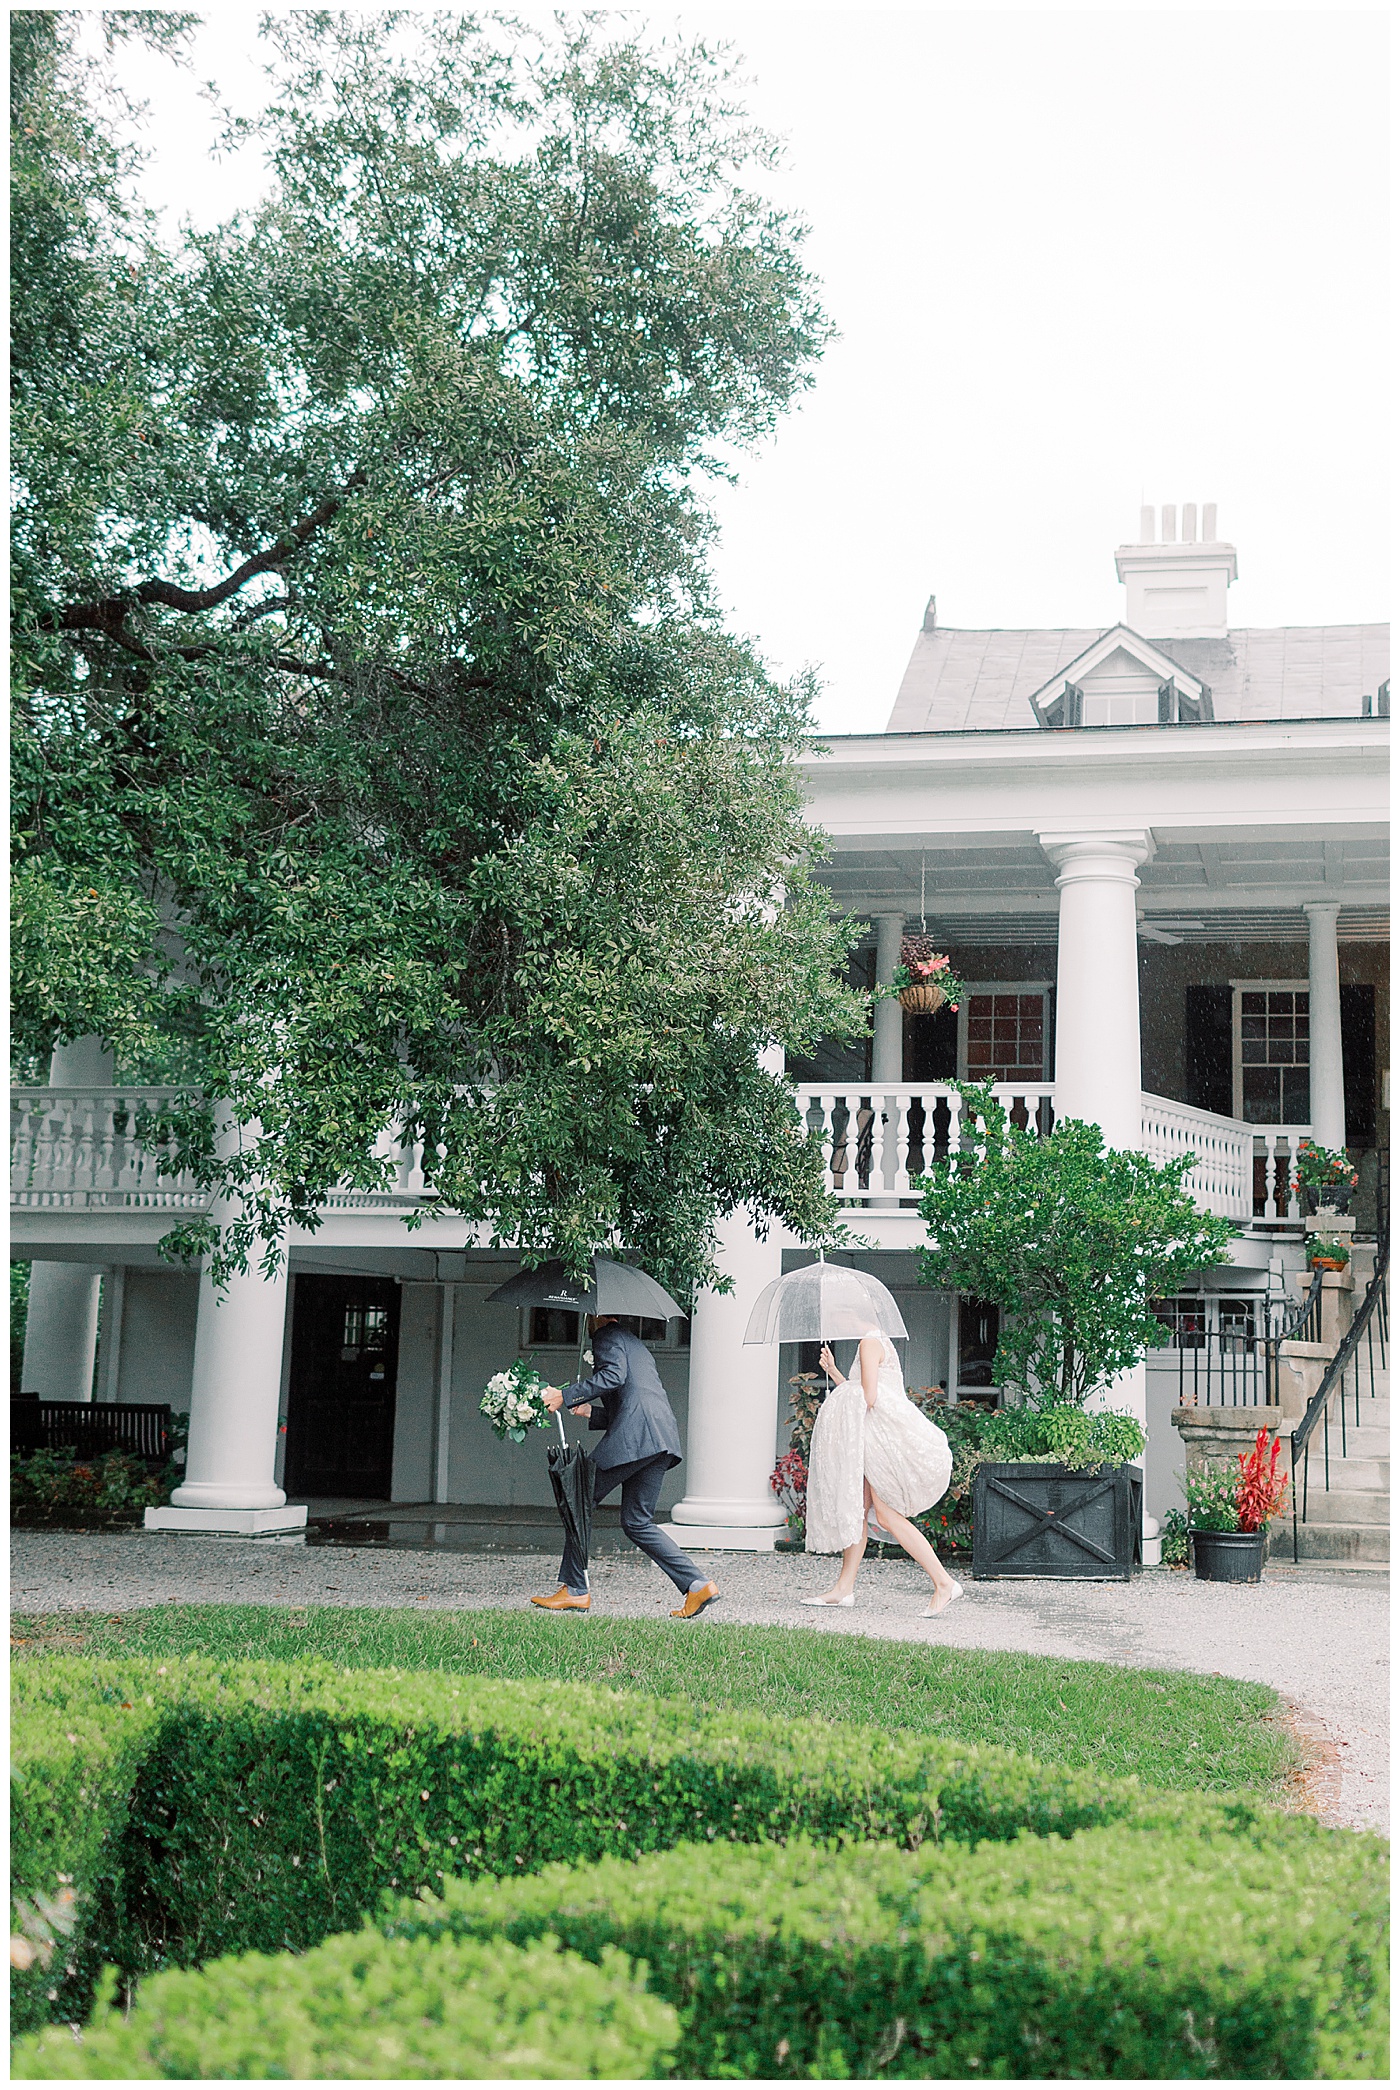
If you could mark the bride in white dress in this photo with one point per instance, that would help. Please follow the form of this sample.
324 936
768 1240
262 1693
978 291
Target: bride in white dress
872 1449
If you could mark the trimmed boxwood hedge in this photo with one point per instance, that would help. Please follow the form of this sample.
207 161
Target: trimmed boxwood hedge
201 1809
1119 1953
370 2007
264 1806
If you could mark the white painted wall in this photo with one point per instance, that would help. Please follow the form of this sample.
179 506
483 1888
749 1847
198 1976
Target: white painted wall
156 1355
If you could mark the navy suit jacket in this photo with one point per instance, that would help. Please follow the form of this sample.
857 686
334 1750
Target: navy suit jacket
628 1401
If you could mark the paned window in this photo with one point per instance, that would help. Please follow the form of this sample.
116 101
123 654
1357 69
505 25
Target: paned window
1272 1055
1005 1036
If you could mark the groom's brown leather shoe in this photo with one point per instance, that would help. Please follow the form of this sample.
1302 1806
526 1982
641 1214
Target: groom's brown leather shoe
563 1600
696 1601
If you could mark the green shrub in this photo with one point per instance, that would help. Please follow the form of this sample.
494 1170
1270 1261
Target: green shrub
1075 1437
1212 1499
271 1805
74 1761
368 2007
1176 1543
1113 1954
115 1482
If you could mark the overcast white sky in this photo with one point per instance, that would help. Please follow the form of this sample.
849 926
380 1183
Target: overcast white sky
1079 261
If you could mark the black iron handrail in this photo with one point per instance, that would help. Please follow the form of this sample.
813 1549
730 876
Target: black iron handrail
1372 1321
1308 1314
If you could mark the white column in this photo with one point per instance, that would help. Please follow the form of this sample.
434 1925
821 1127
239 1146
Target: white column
1327 1105
60 1329
887 1052
230 1474
1098 1044
732 1433
1098 1038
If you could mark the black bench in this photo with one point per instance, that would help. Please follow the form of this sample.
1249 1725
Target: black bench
89 1428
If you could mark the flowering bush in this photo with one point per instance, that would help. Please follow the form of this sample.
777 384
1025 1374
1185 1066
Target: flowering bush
1323 1170
116 1483
788 1480
1218 1499
920 965
514 1399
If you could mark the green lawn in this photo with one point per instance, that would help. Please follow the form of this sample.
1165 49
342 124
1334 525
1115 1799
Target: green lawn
1169 1729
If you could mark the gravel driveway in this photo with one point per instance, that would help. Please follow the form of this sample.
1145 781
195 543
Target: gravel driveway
1321 1637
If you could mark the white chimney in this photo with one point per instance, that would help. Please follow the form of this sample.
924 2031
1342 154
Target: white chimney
1177 590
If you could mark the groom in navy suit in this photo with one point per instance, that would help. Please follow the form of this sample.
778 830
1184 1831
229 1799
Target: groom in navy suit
625 1397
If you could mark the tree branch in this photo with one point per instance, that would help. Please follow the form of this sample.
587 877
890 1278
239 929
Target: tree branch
111 613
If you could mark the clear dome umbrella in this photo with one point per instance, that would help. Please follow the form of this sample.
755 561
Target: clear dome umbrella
824 1302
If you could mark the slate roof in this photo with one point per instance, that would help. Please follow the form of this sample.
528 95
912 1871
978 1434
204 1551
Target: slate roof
962 680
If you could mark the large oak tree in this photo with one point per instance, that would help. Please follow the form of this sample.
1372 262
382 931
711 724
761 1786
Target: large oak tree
382 759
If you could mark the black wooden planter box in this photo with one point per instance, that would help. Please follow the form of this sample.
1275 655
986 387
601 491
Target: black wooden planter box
1083 1526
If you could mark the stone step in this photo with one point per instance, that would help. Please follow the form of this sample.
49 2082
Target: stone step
1336 1505
1371 1475
1337 1543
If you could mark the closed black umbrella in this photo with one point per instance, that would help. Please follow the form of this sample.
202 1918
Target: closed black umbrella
615 1288
571 1475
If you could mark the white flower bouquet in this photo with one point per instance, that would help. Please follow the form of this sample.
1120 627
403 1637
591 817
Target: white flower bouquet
514 1399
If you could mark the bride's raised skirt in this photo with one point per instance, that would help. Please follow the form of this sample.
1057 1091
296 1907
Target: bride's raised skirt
905 1457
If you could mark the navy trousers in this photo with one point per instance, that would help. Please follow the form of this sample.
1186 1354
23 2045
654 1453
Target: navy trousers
641 1485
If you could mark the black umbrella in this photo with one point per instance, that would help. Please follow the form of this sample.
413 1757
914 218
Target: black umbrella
616 1288
571 1475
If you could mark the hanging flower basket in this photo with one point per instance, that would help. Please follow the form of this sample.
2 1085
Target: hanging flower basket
924 980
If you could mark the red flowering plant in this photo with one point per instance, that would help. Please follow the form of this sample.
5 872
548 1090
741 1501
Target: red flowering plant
788 1480
920 965
1261 1487
1325 1175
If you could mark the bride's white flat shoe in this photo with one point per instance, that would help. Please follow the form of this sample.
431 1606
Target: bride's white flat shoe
832 1603
931 1613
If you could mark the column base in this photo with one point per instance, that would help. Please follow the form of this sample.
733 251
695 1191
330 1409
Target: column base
725 1538
238 1523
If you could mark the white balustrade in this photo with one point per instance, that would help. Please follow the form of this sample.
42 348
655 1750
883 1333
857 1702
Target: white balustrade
1275 1170
77 1149
876 1142
1222 1177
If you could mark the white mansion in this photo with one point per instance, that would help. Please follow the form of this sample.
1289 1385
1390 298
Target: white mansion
1158 854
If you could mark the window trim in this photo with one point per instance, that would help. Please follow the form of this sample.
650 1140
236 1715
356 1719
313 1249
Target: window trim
1040 987
1239 987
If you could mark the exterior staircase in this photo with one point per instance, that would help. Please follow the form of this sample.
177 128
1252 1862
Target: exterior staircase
1348 1520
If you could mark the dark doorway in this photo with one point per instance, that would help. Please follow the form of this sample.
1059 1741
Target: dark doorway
345 1360
1359 1062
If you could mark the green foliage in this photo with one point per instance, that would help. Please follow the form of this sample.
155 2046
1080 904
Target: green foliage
1072 1241
262 1806
367 2007
1176 1543
1074 1437
1169 1728
115 1482
1334 1247
1212 1499
381 760
19 1315
1115 1954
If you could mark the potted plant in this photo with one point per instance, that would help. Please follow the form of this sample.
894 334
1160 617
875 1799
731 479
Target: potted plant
924 979
1328 1252
1325 1179
1072 1242
788 1480
1228 1513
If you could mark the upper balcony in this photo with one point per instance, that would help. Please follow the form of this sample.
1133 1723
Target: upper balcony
78 1170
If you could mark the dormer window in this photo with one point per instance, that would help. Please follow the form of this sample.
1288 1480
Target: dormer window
1122 680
